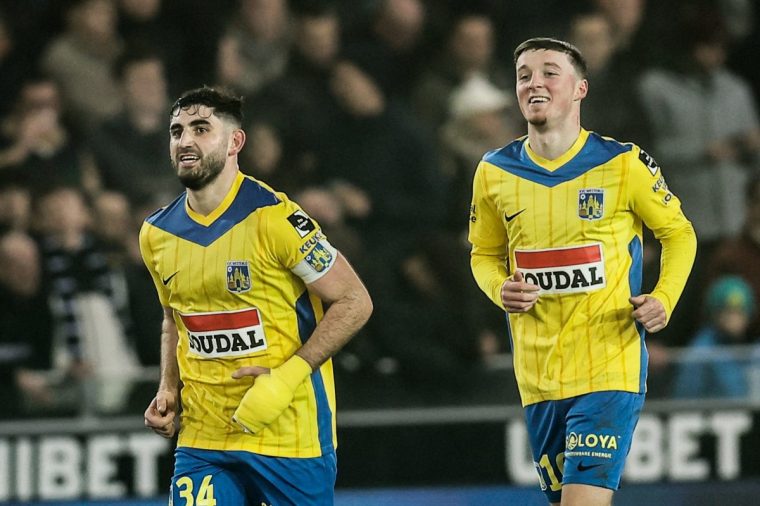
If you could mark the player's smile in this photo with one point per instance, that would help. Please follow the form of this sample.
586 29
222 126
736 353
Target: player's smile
537 102
539 99
188 160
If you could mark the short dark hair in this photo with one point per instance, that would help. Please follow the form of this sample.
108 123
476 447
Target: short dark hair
547 43
225 103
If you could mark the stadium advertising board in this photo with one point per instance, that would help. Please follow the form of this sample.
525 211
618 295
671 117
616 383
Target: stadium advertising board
682 446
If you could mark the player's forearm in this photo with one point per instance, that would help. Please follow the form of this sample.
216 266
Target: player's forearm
678 252
490 272
341 322
169 368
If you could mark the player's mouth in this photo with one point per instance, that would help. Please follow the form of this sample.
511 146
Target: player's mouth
187 160
536 100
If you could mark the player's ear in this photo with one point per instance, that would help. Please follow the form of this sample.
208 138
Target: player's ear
237 143
581 90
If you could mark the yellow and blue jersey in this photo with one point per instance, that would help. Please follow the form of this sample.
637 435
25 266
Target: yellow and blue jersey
236 281
573 226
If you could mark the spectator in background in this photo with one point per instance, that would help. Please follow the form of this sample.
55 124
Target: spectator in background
706 371
740 256
89 318
296 112
15 205
706 132
131 148
642 31
81 60
612 107
26 326
625 18
390 50
113 226
480 116
38 149
468 53
147 23
383 169
254 49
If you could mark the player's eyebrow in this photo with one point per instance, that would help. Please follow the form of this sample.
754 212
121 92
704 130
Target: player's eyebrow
195 122
546 64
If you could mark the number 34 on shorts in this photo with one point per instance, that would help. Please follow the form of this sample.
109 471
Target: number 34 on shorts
204 496
186 490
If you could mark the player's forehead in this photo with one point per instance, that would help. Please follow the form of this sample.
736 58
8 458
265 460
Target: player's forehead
182 116
537 58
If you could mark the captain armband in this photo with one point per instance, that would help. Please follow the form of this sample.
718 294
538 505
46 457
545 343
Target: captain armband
317 262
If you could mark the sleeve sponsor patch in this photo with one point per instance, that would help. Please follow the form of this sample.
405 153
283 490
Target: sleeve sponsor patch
302 223
650 162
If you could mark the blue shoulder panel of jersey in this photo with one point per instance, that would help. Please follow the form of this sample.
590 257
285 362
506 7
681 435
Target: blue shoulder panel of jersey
596 151
174 219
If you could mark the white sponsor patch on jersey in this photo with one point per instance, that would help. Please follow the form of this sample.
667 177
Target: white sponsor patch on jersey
225 334
574 269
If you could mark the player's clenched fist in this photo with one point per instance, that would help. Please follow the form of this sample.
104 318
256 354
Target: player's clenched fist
161 413
272 392
517 296
649 312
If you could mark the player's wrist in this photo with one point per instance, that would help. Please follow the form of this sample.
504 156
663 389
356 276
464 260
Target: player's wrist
292 372
167 390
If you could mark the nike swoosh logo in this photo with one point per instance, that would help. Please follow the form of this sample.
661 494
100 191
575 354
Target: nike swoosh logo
582 468
513 216
166 281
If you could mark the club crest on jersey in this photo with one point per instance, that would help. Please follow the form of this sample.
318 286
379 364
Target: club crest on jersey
590 203
238 276
319 258
574 269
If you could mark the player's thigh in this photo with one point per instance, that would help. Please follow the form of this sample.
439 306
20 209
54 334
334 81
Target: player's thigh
599 433
545 422
291 481
202 477
575 494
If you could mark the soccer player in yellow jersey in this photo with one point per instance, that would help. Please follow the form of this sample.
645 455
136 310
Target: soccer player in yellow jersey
242 273
556 229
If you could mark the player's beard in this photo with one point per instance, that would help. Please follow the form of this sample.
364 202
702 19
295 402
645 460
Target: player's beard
538 122
208 169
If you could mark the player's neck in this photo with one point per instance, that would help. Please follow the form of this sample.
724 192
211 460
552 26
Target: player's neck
205 200
551 142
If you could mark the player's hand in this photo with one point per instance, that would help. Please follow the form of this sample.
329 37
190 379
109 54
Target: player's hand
649 312
517 296
271 393
161 413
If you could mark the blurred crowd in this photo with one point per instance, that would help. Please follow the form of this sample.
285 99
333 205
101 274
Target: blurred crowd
372 114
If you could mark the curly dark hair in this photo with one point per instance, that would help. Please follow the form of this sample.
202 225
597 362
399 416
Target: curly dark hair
224 103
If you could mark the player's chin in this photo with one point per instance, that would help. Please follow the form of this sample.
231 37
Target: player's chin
536 119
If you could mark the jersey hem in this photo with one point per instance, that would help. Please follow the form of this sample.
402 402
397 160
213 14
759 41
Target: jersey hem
556 397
